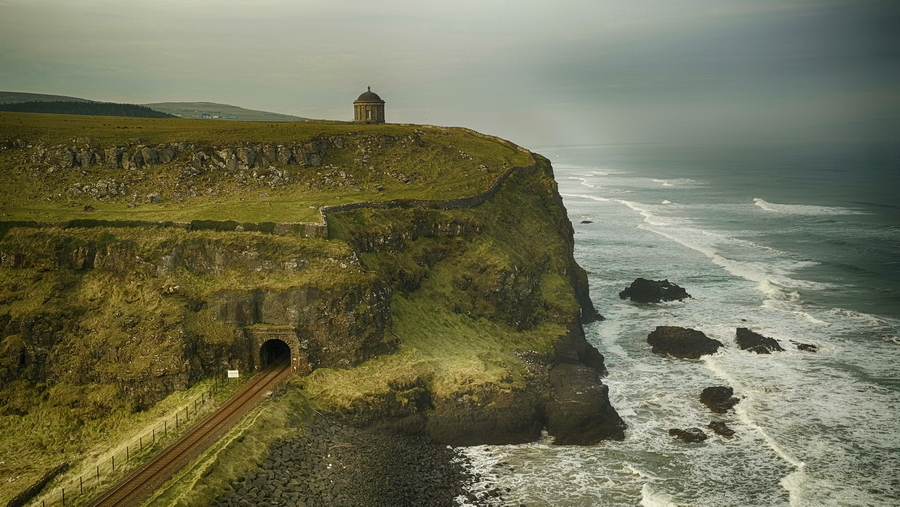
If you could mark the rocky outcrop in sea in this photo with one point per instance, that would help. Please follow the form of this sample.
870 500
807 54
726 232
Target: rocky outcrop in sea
682 342
755 342
653 291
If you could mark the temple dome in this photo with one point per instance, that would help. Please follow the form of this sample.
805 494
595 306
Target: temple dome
369 96
368 108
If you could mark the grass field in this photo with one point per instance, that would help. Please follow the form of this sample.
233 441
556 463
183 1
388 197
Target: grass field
368 163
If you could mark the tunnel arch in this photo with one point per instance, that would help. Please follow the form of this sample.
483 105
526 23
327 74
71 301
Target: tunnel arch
274 351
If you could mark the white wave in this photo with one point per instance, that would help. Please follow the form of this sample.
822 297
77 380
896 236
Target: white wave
797 476
787 308
769 268
649 498
802 209
678 182
585 196
581 169
649 217
666 201
865 318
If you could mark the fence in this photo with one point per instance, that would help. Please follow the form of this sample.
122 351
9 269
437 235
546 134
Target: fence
113 466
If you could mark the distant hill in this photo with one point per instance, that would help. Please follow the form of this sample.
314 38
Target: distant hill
84 108
200 110
212 110
16 97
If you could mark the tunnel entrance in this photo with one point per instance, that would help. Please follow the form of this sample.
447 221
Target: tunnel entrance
274 352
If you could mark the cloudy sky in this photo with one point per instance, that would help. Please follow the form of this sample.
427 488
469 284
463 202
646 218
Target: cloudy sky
536 72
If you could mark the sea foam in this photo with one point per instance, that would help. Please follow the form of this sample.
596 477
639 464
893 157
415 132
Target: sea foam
802 209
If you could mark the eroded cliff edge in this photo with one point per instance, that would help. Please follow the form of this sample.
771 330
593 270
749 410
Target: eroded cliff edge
500 276
462 323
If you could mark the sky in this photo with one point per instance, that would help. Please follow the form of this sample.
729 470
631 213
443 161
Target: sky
537 72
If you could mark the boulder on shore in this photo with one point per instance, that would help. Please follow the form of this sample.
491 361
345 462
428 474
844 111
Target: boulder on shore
755 342
689 435
682 342
719 399
653 291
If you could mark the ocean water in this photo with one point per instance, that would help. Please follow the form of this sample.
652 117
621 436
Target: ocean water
799 242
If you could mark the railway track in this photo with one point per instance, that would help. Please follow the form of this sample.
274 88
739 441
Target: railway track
152 475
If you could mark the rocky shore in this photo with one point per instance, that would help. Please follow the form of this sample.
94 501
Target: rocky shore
338 465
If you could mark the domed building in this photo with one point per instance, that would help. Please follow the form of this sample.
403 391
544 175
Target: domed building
368 108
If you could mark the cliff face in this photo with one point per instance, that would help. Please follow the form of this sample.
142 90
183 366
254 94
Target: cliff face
507 264
144 312
459 319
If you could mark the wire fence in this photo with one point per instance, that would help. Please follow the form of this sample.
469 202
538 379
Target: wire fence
112 467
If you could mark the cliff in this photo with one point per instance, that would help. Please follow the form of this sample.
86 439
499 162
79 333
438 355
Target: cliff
446 304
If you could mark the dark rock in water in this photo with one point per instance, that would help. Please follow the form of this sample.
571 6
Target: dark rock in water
682 342
755 342
719 399
586 222
689 435
580 412
721 428
806 347
653 291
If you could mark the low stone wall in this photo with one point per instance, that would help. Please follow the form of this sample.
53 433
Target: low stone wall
302 229
463 202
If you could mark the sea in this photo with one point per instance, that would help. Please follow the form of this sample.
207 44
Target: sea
799 242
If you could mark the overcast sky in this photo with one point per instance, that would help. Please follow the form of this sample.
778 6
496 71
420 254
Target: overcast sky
536 72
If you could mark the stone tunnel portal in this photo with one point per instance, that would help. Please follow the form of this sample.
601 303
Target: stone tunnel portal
274 352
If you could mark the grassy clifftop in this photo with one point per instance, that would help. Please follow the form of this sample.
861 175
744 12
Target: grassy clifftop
52 167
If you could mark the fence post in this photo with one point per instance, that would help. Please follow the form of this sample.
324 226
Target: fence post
114 463
127 454
154 435
176 420
80 484
64 496
98 475
141 441
166 427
